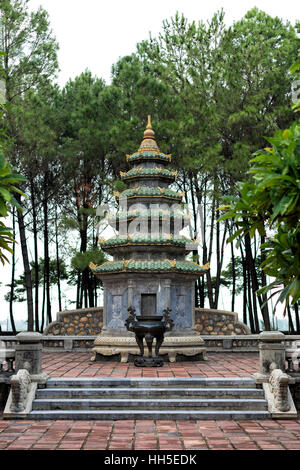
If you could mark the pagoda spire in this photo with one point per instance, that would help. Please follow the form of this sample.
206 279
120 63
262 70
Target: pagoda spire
149 142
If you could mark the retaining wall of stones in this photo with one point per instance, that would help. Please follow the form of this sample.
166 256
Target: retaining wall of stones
80 322
89 321
219 323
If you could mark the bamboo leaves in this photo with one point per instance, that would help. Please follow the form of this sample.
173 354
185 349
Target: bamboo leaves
7 188
272 201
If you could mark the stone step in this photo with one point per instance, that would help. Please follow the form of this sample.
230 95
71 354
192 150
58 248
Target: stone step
150 414
148 404
149 398
130 392
212 382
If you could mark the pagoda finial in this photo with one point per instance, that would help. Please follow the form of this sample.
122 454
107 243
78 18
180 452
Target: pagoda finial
149 137
149 126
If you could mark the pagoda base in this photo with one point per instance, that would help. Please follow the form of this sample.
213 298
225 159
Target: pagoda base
177 347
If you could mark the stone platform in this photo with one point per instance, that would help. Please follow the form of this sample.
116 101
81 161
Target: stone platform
174 347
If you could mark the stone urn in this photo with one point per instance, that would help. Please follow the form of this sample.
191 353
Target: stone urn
149 327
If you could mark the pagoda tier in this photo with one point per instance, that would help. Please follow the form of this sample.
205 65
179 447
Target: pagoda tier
153 226
150 224
150 217
155 246
157 266
149 271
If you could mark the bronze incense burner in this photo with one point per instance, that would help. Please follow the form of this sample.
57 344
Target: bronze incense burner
149 327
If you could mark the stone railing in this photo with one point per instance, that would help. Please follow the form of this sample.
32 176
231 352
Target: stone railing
232 343
213 343
242 343
292 356
68 343
29 375
7 358
272 375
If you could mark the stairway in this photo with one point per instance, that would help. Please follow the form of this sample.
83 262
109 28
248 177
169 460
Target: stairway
147 398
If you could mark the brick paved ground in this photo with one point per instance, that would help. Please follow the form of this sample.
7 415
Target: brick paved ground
148 434
217 365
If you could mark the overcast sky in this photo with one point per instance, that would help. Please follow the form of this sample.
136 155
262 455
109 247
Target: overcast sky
93 34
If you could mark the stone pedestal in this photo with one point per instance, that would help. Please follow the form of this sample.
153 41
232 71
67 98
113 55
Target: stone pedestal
175 347
29 355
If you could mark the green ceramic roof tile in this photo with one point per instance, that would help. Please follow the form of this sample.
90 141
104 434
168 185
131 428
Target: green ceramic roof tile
150 213
146 172
150 266
147 240
149 155
149 191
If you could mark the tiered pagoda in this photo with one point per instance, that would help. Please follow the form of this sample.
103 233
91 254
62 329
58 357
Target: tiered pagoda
149 270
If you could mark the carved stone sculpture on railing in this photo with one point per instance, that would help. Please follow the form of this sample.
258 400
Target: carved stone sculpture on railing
29 375
279 383
20 388
272 375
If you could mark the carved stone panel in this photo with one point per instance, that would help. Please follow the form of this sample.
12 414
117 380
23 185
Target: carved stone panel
181 305
116 309
148 304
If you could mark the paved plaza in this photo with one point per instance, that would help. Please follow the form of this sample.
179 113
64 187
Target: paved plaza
149 434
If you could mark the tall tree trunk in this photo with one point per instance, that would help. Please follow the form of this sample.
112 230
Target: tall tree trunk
245 302
43 302
91 290
220 257
46 258
207 258
195 231
36 259
81 296
28 281
255 285
264 281
291 324
250 309
296 308
255 313
201 199
78 290
57 263
83 249
233 277
12 284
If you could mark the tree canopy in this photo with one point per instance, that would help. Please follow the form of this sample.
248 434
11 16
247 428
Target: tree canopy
214 92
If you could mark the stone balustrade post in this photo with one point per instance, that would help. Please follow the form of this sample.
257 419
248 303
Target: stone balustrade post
271 354
29 355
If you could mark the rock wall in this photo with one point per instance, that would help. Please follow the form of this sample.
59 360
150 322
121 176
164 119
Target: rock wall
89 321
219 322
80 322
